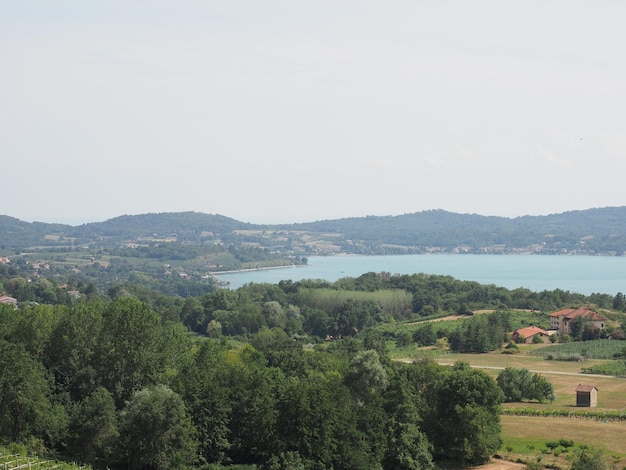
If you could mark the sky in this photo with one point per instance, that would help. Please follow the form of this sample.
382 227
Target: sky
287 111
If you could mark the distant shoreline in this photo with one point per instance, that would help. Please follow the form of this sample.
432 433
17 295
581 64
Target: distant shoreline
235 271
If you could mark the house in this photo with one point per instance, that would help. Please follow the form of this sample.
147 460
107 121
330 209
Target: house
527 335
5 299
561 320
586 395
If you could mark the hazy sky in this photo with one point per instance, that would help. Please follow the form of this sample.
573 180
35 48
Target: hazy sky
297 110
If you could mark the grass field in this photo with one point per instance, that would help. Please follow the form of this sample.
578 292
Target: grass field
525 437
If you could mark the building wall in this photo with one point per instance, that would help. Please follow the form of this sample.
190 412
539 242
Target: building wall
587 399
583 399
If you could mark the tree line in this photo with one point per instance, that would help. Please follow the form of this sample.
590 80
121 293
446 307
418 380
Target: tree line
293 374
111 384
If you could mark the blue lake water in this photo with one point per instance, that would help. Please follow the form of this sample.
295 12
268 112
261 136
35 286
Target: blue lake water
582 274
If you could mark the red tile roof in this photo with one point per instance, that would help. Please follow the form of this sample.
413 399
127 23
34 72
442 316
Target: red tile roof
530 331
585 388
585 312
5 299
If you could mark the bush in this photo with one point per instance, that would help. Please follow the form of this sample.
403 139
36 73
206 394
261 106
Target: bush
552 444
574 357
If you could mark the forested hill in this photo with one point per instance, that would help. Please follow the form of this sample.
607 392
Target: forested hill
183 225
589 231
592 231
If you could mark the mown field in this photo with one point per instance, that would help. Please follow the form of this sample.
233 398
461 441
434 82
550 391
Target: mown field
525 437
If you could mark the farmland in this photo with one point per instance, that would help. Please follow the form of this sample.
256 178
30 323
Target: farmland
525 437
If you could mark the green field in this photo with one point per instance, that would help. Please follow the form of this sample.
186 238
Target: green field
524 436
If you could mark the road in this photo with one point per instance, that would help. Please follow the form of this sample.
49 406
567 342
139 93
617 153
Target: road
546 372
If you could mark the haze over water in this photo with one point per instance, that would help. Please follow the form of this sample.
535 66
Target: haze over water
582 274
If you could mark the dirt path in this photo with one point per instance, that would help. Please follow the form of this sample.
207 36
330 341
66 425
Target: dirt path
499 464
546 372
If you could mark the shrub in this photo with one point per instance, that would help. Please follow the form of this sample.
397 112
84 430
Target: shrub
552 444
574 357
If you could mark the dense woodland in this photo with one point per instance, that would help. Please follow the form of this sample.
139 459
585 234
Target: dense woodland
294 375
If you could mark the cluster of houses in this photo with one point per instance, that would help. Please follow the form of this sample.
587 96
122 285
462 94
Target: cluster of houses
560 324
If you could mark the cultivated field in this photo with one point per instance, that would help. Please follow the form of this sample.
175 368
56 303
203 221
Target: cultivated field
525 437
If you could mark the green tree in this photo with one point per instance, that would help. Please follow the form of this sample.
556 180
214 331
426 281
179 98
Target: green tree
71 354
95 429
318 419
352 316
129 355
464 423
577 328
514 383
407 446
376 341
519 384
204 386
403 338
366 375
157 431
590 458
425 335
290 460
24 390
193 314
540 389
253 390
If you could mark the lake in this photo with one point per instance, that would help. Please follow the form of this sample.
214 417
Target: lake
582 274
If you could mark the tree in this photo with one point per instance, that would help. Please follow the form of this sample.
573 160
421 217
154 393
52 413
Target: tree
464 423
252 396
317 418
514 383
577 328
353 315
204 387
129 348
24 405
519 384
193 314
376 341
290 460
157 431
403 338
590 458
71 354
366 375
540 389
95 428
407 446
425 335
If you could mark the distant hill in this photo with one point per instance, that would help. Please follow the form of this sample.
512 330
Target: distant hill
180 224
592 231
